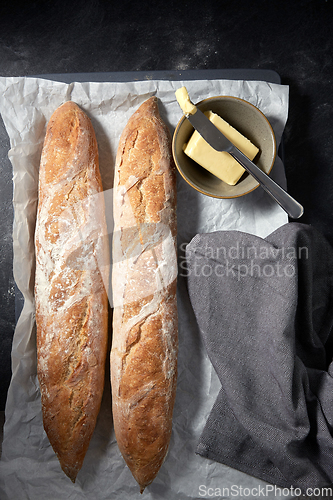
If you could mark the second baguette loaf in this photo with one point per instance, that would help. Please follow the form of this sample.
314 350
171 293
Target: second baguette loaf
144 344
70 285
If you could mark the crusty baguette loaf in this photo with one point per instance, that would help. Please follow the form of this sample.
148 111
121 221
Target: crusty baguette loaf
145 341
71 274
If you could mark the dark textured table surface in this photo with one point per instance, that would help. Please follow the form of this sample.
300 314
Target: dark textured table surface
294 38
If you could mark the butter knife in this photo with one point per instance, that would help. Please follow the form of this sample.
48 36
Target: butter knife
218 141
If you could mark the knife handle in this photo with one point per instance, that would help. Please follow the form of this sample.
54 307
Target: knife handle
287 202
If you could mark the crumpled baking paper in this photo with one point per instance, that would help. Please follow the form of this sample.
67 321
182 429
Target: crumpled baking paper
29 468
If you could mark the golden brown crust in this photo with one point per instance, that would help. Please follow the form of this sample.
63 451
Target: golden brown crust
71 276
144 345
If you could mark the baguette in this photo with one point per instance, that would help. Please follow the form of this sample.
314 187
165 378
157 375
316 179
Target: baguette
70 285
145 333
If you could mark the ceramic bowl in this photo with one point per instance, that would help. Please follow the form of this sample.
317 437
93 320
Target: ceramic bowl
250 122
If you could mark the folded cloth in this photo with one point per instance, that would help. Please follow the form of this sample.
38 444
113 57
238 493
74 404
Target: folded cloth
264 308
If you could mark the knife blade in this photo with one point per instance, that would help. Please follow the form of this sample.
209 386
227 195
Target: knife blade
217 140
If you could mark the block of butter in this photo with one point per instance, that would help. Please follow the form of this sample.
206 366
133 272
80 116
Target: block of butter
220 163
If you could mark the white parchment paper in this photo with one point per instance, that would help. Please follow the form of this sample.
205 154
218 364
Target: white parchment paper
29 468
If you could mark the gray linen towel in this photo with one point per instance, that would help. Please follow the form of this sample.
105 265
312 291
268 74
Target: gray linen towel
264 308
